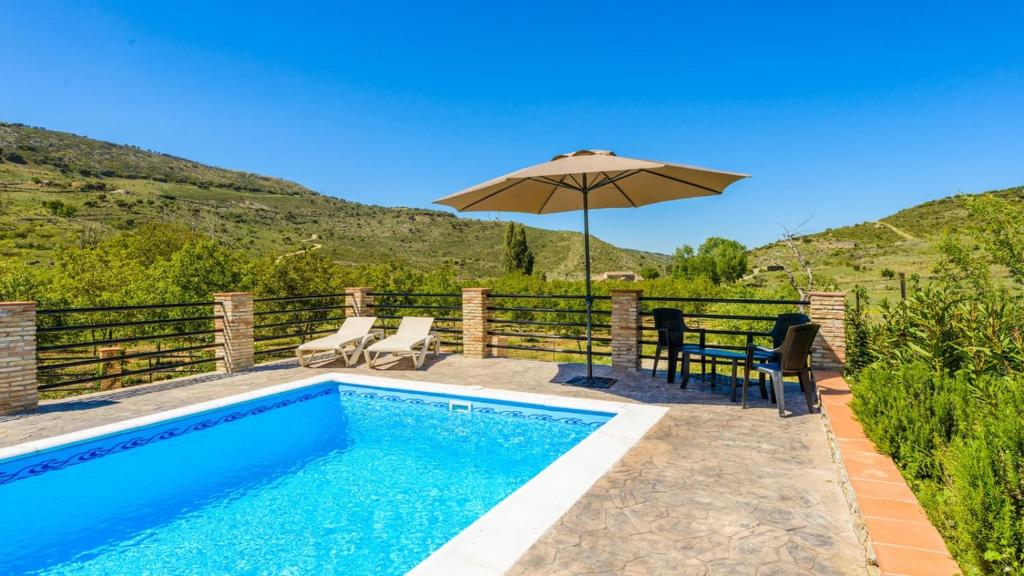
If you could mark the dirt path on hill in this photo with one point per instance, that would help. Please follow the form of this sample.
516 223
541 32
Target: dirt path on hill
903 233
315 246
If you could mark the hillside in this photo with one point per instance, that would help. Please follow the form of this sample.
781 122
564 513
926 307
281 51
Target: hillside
59 189
906 241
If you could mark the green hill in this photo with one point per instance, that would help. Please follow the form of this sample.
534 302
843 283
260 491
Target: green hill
906 241
59 189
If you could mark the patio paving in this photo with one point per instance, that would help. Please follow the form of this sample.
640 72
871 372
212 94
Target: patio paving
712 489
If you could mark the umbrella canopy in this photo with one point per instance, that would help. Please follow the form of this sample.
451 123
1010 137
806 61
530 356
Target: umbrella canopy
610 181
588 179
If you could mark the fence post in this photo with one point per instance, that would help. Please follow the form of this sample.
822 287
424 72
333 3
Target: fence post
626 328
829 310
358 301
112 366
474 322
19 390
236 347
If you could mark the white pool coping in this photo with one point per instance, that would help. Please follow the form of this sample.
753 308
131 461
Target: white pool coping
494 542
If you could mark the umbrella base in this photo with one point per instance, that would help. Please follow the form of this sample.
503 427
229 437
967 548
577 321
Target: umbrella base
592 382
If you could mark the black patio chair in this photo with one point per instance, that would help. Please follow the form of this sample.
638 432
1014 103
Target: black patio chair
672 330
792 360
778 334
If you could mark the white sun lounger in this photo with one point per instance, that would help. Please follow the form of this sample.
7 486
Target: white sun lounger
355 332
413 338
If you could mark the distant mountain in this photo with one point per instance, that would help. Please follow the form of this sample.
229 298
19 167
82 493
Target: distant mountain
906 241
55 187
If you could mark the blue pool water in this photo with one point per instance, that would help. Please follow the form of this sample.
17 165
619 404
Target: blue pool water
328 479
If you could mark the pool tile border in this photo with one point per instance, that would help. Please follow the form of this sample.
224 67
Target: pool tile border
904 541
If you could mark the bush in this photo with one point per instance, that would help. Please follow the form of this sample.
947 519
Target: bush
959 440
58 208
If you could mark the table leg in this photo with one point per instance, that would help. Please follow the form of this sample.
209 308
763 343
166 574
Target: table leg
673 353
734 367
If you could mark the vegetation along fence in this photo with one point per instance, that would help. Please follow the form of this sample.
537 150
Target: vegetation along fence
60 352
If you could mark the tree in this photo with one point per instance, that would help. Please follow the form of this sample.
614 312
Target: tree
718 259
650 272
1000 230
517 257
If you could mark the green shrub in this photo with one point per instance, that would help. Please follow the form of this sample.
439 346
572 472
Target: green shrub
59 208
959 440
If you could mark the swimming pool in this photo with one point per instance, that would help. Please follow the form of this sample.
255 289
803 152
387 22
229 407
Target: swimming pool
340 475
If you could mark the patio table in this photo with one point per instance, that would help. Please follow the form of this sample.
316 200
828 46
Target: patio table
732 356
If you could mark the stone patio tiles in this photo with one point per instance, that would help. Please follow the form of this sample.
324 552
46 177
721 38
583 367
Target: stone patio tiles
712 489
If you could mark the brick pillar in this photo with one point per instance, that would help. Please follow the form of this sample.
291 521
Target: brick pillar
359 302
236 349
112 366
626 328
474 322
18 388
829 310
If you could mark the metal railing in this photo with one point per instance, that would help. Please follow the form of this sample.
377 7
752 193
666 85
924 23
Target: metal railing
92 348
723 330
282 323
89 348
444 307
533 325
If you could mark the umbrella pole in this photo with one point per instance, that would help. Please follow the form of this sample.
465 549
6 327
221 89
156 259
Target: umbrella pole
586 268
588 381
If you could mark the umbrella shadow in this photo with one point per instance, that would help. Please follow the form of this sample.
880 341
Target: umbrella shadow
641 386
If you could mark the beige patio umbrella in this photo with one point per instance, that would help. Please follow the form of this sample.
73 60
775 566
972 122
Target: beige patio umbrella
588 179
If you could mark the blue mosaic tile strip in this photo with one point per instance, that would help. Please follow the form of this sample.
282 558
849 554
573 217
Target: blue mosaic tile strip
93 453
443 403
45 466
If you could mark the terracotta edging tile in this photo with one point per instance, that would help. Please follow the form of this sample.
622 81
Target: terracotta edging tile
910 562
903 540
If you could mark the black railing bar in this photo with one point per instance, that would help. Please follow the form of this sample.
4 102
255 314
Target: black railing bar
161 368
395 317
549 336
294 310
121 308
724 300
278 350
125 340
557 310
418 294
137 355
292 298
417 306
44 329
706 344
649 328
292 335
721 317
551 296
554 350
544 323
392 327
296 322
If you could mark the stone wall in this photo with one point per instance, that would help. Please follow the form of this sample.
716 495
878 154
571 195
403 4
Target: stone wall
474 322
18 388
236 347
829 310
626 328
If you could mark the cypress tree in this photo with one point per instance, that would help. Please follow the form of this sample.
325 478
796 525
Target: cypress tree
517 256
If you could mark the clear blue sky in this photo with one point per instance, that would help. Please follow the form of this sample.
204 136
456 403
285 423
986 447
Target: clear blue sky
844 111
